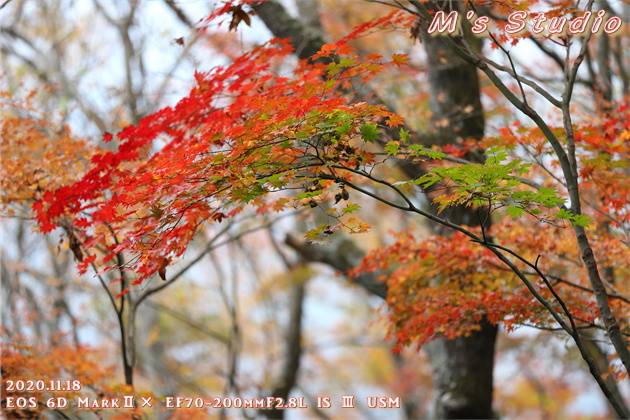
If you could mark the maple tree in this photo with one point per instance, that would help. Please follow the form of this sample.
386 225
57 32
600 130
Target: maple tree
246 137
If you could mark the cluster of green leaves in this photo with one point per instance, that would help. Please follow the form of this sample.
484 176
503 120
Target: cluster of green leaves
496 183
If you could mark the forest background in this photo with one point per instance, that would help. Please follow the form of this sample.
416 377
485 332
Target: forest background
317 228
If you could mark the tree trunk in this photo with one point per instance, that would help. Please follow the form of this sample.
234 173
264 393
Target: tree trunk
462 377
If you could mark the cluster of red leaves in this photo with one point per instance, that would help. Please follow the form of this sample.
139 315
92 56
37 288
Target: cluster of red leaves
429 298
241 136
604 152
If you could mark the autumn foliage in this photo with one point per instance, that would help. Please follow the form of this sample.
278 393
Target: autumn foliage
443 287
245 136
71 373
274 133
36 149
268 134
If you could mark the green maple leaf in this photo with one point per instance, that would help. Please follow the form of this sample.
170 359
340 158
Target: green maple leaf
369 132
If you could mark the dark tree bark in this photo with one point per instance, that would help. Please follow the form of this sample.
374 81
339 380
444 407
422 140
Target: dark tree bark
463 377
